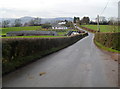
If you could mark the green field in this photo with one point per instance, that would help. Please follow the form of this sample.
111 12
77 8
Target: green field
103 28
5 30
9 29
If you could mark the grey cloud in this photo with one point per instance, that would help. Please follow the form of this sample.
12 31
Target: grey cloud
70 9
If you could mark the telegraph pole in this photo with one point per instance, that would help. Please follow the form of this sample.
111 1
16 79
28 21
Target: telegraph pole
98 23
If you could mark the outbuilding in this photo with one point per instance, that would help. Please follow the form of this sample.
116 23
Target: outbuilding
31 33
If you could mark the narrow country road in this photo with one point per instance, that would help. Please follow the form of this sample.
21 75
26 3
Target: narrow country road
79 65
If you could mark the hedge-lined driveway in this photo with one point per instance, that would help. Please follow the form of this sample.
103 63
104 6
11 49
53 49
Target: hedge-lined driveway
79 65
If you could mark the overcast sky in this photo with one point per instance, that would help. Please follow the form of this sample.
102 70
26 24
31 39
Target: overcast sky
57 8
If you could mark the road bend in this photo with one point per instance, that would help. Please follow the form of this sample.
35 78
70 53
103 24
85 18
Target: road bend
79 65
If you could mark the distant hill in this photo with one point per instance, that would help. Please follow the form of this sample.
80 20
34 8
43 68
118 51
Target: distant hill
26 19
53 20
23 19
43 20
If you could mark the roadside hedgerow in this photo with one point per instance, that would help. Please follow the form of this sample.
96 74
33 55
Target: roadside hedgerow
17 52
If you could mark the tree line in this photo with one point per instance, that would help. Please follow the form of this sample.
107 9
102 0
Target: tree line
37 22
18 23
102 21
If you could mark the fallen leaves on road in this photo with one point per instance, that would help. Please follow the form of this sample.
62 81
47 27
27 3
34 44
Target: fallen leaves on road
42 73
113 70
31 77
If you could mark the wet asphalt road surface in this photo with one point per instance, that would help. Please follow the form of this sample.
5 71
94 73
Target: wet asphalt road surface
79 65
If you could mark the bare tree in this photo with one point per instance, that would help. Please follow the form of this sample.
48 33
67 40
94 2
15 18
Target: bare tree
114 23
17 23
0 24
5 23
85 20
102 20
35 22
76 20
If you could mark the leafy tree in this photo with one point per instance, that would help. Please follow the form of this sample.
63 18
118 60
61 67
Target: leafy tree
74 20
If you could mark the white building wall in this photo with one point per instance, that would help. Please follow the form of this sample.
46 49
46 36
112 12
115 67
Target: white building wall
59 27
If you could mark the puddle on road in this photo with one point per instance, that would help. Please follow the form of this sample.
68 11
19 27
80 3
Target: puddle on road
113 70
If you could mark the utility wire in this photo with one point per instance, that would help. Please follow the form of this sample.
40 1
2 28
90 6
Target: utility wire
105 7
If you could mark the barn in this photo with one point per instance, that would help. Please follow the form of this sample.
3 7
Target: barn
31 33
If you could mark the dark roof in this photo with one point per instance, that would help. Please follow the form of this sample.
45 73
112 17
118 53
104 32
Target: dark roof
32 32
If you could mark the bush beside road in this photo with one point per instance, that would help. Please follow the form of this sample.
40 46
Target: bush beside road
108 40
17 52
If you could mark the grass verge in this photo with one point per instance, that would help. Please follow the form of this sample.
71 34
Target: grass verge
105 48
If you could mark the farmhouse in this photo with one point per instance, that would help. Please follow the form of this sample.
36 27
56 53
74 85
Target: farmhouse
31 33
62 22
58 26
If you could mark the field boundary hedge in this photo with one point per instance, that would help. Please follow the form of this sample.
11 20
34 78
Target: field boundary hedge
109 40
17 52
88 29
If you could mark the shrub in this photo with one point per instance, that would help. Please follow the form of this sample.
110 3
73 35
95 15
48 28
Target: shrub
17 52
110 40
47 26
